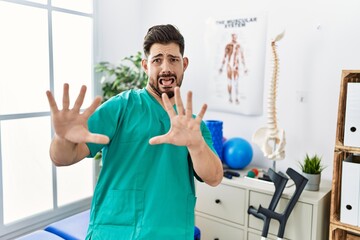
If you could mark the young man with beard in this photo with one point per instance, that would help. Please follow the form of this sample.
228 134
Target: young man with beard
152 148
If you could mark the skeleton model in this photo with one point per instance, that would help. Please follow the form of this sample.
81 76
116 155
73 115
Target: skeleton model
271 139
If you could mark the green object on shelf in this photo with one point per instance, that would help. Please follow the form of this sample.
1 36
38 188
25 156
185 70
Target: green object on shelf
251 174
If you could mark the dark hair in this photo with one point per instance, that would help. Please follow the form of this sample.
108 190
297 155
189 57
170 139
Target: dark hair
163 34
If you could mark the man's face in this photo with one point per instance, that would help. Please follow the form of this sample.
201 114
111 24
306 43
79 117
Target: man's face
165 68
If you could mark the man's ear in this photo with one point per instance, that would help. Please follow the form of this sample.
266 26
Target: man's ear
144 65
185 63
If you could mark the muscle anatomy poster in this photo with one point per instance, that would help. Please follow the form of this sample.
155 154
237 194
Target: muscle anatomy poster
236 58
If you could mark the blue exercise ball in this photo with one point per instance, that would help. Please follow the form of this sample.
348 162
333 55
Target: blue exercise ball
237 153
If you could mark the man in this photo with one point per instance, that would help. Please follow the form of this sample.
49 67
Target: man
152 148
233 54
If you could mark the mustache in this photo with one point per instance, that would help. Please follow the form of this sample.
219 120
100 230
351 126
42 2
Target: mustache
167 75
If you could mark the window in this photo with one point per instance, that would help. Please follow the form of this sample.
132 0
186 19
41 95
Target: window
43 44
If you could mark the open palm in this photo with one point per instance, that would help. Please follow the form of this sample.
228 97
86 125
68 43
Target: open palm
70 124
184 130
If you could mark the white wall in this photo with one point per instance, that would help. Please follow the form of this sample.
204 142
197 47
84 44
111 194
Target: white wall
118 28
322 38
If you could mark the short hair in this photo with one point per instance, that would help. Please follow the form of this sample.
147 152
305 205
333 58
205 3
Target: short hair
163 34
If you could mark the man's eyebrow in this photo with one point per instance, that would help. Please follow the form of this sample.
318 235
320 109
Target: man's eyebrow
168 56
173 56
158 55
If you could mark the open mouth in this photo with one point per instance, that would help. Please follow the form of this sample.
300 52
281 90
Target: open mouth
168 81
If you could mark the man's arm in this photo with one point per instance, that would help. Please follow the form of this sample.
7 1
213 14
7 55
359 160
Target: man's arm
65 153
206 163
71 131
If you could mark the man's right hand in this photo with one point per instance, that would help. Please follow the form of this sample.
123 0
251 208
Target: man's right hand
70 124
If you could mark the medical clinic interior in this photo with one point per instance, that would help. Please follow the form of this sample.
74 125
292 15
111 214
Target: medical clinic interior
281 82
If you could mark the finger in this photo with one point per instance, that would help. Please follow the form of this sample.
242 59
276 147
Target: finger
201 114
178 102
52 102
189 105
80 99
92 108
158 140
167 105
66 98
97 138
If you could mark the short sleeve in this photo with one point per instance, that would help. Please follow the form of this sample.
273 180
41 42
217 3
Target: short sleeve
105 121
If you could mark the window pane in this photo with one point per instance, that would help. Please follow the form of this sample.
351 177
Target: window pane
84 6
24 76
74 182
38 1
72 36
27 168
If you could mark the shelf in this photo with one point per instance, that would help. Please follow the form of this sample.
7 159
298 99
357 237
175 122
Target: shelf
339 230
339 147
348 76
346 227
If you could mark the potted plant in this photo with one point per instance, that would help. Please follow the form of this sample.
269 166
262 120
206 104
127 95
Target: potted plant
116 78
312 168
124 76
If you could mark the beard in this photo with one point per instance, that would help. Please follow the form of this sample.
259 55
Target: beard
154 85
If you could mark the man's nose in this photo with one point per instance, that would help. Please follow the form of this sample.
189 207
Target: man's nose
166 67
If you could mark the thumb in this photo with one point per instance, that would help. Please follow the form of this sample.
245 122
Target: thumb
157 140
97 138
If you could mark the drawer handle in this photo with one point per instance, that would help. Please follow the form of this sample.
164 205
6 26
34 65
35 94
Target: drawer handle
217 201
216 238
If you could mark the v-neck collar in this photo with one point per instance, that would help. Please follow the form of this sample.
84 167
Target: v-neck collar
157 102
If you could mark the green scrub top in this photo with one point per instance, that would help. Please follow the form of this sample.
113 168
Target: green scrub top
144 191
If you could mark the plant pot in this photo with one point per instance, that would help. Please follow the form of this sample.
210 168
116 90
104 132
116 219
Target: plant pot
313 183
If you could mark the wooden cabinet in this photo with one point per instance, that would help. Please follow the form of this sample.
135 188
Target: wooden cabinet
339 230
221 212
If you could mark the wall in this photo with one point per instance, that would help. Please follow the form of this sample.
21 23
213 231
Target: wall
322 38
118 29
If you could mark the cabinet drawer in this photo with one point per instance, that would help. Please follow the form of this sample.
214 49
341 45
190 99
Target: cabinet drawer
211 230
223 201
299 224
254 236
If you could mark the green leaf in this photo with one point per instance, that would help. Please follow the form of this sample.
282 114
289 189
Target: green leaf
130 76
312 165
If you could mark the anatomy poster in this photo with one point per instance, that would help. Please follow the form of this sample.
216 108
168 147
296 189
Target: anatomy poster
236 58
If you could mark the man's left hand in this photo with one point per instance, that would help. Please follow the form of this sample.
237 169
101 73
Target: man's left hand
184 129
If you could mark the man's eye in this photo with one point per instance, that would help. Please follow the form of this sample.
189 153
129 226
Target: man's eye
156 60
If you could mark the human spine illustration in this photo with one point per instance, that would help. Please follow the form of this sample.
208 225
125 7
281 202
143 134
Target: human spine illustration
271 139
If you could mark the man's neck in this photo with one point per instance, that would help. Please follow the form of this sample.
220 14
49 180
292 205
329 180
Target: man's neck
157 97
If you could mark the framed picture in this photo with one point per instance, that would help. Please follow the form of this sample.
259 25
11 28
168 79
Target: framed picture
236 57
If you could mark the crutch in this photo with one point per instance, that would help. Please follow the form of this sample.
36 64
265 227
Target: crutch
269 213
279 179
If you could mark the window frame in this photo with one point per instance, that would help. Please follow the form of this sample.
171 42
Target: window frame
38 221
